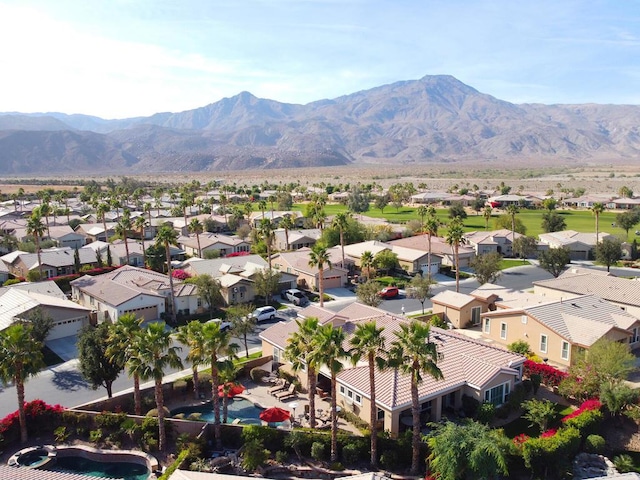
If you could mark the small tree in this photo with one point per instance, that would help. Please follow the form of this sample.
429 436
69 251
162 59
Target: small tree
627 220
209 291
457 210
555 260
386 260
96 366
381 202
242 323
524 247
419 288
520 346
553 222
539 412
367 293
266 283
40 323
608 252
487 267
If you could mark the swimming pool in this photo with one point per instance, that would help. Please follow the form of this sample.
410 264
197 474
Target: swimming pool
94 468
239 409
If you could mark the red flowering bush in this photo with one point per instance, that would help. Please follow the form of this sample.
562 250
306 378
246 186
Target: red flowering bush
180 274
551 376
520 439
38 413
549 433
586 406
238 254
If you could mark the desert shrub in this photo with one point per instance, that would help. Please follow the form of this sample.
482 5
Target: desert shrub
520 346
61 434
257 374
624 463
587 422
470 406
351 453
551 452
254 455
318 451
109 420
594 444
486 413
96 436
282 457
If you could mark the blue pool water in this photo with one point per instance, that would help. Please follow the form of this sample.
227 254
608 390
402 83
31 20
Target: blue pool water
238 408
91 468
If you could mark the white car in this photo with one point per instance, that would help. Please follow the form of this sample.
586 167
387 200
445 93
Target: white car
224 326
264 313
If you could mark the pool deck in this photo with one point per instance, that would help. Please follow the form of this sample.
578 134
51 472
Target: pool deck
259 395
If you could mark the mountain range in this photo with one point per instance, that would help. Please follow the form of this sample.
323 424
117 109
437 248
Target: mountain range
434 119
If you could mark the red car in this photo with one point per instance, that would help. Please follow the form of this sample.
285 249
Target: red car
389 292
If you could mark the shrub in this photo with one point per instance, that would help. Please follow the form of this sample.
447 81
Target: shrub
520 346
594 444
586 422
624 463
389 459
486 413
318 451
61 434
351 453
585 406
282 457
154 412
95 436
254 455
550 376
336 467
550 452
257 374
110 420
11 281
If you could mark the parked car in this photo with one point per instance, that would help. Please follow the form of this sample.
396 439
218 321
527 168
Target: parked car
389 292
264 313
224 325
296 297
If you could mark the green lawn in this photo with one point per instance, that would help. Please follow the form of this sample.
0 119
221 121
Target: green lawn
510 262
579 220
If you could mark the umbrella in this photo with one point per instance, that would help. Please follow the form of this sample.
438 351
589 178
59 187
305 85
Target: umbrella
275 414
234 389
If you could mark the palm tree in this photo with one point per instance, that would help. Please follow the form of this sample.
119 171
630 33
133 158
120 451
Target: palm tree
156 353
191 336
227 373
486 213
45 210
165 237
101 212
367 262
341 222
262 206
597 209
512 211
287 224
413 354
431 226
217 344
122 227
223 204
195 226
299 352
329 351
319 257
422 212
266 231
124 337
20 358
140 223
455 234
36 228
367 342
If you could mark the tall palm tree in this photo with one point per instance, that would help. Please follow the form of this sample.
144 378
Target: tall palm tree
367 262
45 210
20 358
166 237
101 212
223 204
140 223
422 212
124 337
217 344
341 222
262 206
122 227
195 226
367 342
227 373
329 351
36 228
431 226
299 352
597 209
319 257
512 211
486 213
287 224
413 354
265 230
455 234
191 336
156 353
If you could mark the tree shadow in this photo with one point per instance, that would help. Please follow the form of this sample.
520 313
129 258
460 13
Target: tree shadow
70 381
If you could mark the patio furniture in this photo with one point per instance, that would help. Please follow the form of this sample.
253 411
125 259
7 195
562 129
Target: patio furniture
288 393
278 387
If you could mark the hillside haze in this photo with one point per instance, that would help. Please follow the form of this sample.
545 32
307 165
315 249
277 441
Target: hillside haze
434 119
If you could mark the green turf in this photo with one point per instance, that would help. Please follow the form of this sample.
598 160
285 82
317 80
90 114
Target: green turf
510 262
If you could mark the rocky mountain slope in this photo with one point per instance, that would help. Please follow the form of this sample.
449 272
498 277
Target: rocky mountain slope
434 119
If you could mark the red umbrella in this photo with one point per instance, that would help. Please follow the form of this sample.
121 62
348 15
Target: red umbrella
233 389
275 414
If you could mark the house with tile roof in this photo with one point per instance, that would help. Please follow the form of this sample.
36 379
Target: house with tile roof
305 238
557 330
469 367
576 282
297 263
134 290
581 245
64 236
495 241
410 259
55 261
441 251
224 244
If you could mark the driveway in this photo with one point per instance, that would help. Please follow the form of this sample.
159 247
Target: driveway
64 347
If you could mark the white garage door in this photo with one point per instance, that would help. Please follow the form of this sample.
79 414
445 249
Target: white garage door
146 313
333 282
66 328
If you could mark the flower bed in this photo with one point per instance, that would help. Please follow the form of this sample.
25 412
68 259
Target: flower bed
550 376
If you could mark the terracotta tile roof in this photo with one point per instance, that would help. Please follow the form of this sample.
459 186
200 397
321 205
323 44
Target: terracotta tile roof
438 245
17 473
614 289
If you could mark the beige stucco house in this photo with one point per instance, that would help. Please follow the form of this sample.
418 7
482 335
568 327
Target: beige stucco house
297 263
469 367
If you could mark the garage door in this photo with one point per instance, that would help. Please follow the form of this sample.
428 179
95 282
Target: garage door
146 313
333 282
66 328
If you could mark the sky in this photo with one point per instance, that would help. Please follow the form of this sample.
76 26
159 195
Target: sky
127 58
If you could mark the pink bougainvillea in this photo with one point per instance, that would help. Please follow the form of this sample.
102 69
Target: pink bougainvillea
520 439
238 254
32 410
550 376
593 404
549 433
180 274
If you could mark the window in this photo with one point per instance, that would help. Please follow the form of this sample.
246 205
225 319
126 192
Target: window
358 398
342 390
503 330
487 325
353 396
543 343
380 414
277 353
524 319
635 335
565 351
475 315
497 395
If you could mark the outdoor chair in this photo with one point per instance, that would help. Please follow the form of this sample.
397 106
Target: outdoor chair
289 392
276 388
